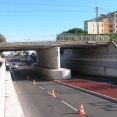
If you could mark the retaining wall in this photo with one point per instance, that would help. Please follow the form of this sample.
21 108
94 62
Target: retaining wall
101 61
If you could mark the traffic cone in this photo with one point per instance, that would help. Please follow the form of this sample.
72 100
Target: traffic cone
53 94
34 82
27 77
81 112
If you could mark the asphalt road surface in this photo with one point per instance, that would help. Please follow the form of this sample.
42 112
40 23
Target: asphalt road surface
36 99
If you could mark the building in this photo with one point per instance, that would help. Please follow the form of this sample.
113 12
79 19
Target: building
103 24
108 26
114 16
91 27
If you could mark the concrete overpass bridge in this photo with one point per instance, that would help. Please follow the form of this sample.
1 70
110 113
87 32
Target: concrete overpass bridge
56 65
14 46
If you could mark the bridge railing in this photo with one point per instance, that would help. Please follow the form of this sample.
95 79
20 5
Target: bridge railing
57 38
82 37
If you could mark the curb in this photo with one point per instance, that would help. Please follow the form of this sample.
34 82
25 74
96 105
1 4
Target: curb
2 89
89 92
9 106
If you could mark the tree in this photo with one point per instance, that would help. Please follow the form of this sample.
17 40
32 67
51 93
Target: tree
2 38
71 34
113 36
19 54
75 31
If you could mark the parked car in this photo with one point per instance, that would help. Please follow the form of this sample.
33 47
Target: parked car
14 65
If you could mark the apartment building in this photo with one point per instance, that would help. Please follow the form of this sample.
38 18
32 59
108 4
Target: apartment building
107 23
114 15
108 26
91 27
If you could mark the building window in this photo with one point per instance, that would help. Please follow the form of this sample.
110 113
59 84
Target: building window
102 30
93 31
102 25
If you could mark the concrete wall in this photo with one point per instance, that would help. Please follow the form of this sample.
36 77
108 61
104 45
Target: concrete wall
49 58
48 64
82 61
52 74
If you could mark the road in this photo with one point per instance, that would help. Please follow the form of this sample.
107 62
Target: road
36 100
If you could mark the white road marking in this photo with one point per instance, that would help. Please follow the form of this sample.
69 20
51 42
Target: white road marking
69 105
49 92
41 87
62 101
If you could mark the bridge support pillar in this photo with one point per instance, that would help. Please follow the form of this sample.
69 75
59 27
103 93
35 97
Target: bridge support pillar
48 64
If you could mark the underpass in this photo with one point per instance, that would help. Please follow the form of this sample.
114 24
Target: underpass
68 100
36 99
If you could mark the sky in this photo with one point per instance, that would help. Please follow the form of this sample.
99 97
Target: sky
42 20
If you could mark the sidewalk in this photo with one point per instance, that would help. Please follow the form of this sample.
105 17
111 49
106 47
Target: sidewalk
12 105
102 90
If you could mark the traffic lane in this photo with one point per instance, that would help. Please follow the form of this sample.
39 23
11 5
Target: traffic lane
36 102
94 106
100 105
75 102
9 61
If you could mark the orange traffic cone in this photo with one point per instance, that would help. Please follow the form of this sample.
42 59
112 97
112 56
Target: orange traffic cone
81 112
34 82
53 94
27 77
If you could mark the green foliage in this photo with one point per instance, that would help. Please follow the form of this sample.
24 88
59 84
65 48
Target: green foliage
113 36
0 54
75 31
19 54
2 38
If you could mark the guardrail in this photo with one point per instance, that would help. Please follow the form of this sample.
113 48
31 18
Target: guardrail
52 42
2 89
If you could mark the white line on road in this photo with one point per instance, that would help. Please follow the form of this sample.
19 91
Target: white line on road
62 101
49 92
69 105
41 87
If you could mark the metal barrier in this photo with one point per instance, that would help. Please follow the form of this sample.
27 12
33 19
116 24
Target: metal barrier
82 37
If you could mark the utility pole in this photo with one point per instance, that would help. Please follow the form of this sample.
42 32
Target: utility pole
97 23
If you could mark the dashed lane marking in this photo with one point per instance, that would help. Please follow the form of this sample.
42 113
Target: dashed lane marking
69 105
41 87
49 92
60 100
